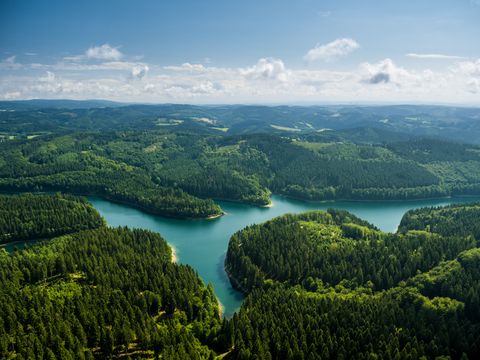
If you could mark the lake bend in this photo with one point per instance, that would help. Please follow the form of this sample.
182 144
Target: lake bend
202 244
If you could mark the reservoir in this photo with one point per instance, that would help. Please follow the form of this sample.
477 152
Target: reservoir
202 243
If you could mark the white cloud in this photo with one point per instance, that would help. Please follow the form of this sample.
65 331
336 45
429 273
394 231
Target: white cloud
186 67
332 50
385 72
12 95
50 77
267 69
470 68
139 71
435 56
473 86
267 80
103 52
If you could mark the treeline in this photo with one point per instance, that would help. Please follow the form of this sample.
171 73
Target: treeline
102 293
29 217
326 285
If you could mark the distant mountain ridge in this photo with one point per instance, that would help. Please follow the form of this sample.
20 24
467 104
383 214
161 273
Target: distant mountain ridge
57 104
453 123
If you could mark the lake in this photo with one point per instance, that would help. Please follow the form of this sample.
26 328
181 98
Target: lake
203 243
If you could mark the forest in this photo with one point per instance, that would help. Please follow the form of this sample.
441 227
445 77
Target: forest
28 217
449 220
99 292
181 174
343 289
331 281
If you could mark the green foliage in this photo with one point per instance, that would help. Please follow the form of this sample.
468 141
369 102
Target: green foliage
328 285
291 323
29 217
104 292
449 220
175 173
334 249
76 164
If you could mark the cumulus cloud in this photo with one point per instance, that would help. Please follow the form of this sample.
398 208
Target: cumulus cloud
470 68
332 50
380 77
435 56
139 71
473 86
102 52
385 71
49 77
267 69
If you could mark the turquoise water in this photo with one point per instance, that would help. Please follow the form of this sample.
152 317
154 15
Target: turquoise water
203 243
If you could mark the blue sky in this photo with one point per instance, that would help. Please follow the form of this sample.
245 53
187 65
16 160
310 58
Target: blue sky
242 51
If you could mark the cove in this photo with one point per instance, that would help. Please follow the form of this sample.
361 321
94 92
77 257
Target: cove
202 244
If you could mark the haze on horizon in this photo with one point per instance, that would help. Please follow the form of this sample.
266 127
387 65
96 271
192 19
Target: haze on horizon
243 52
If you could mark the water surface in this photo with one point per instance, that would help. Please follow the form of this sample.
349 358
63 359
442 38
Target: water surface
203 243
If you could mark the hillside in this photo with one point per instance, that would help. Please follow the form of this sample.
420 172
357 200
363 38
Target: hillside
177 174
345 289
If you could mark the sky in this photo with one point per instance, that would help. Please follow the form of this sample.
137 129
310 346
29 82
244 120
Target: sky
266 52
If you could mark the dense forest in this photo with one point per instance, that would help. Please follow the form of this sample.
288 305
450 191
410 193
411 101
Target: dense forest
101 293
449 220
335 247
332 282
178 174
343 289
28 217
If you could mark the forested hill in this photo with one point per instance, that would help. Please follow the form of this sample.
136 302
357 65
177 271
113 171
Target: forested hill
343 289
178 174
28 217
101 293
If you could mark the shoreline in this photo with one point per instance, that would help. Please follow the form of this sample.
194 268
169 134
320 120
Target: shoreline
234 282
269 205
212 217
374 200
174 258
221 308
